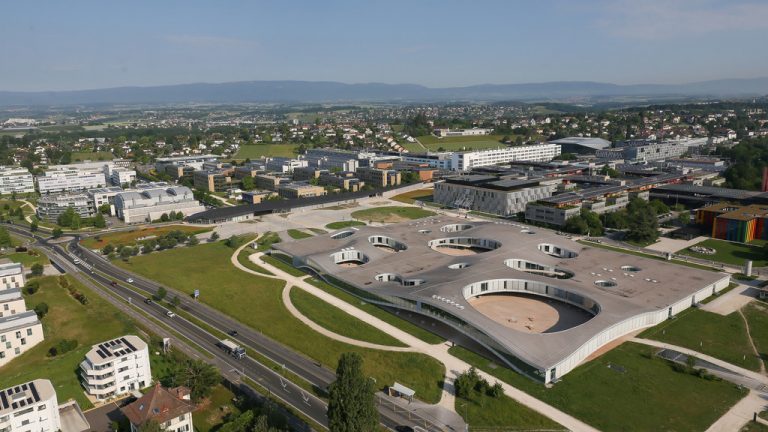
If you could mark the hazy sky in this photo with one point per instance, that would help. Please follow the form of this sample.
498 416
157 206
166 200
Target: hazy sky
58 45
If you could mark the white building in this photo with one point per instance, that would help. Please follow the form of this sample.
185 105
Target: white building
195 161
285 165
462 132
115 367
150 204
102 196
11 276
170 408
70 180
20 329
16 179
30 407
466 160
51 206
121 176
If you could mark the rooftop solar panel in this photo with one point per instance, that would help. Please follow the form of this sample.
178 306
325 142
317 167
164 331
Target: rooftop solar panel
33 389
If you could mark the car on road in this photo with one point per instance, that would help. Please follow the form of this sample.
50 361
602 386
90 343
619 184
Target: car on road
113 283
170 314
129 280
148 301
232 332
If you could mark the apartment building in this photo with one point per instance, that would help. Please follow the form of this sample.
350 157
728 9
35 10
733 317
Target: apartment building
170 408
116 367
300 190
11 276
148 204
122 176
378 177
20 329
16 180
49 207
30 407
70 180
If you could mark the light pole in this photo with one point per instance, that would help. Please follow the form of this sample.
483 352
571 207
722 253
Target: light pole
466 416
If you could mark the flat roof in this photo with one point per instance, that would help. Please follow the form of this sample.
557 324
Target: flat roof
118 347
20 396
655 286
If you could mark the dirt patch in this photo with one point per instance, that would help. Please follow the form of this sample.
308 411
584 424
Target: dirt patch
529 314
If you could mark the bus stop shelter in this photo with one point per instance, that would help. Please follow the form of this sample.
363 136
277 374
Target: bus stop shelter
399 390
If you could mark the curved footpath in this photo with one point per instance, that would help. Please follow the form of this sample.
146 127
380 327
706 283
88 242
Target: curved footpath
453 365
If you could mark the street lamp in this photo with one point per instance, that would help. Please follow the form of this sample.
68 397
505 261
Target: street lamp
466 416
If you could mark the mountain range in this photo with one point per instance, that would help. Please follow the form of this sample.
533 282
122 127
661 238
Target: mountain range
329 91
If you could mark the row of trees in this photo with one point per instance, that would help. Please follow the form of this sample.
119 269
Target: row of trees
71 219
639 219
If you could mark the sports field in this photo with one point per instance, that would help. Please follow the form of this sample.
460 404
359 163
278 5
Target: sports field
256 151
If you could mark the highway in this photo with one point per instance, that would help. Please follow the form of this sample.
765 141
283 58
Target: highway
113 279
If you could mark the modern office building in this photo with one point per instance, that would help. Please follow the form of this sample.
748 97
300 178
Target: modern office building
490 194
378 178
540 302
268 182
122 176
581 145
734 222
284 165
647 151
169 408
194 161
30 407
70 180
256 197
102 196
467 160
146 205
49 207
307 173
300 190
250 169
212 180
116 367
346 181
11 276
177 171
16 180
343 160
445 132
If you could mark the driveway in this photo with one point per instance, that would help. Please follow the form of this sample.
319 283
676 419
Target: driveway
102 417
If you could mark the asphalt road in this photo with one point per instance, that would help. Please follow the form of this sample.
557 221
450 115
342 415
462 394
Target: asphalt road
313 407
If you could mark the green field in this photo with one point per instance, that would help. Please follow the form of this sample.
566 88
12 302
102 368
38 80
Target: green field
344 224
503 413
298 234
731 253
27 259
338 321
219 406
283 263
756 314
66 319
256 302
391 214
412 196
256 151
723 337
130 237
639 394
242 258
92 156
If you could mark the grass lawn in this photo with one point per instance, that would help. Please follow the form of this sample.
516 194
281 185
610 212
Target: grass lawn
318 231
647 396
504 413
344 224
266 240
298 234
378 312
757 317
257 302
338 321
731 253
92 156
27 259
461 142
66 319
242 258
391 214
130 237
723 337
283 262
754 427
258 150
412 196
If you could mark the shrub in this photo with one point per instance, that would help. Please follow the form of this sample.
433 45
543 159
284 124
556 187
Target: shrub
31 287
62 347
37 269
41 309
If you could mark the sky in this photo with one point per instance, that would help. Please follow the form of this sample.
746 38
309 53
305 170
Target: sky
69 45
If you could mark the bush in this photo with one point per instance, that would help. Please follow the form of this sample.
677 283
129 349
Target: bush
41 309
31 287
62 347
37 269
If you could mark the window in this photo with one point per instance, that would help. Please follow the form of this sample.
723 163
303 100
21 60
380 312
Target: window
29 332
23 341
41 407
17 350
5 306
18 335
2 354
8 345
2 338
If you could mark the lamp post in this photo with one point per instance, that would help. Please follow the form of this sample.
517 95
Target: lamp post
466 416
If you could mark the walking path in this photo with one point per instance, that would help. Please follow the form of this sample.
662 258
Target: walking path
453 365
752 342
731 301
740 414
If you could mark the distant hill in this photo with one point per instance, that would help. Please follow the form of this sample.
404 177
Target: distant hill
327 91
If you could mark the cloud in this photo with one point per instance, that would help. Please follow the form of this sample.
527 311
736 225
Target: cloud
210 42
664 19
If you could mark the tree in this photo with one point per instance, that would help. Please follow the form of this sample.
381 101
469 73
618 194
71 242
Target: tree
33 226
199 376
610 172
41 309
192 241
37 269
161 293
351 406
57 232
105 208
99 221
108 249
659 207
576 225
65 218
215 236
642 224
75 222
164 217
5 238
248 183
175 301
126 253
